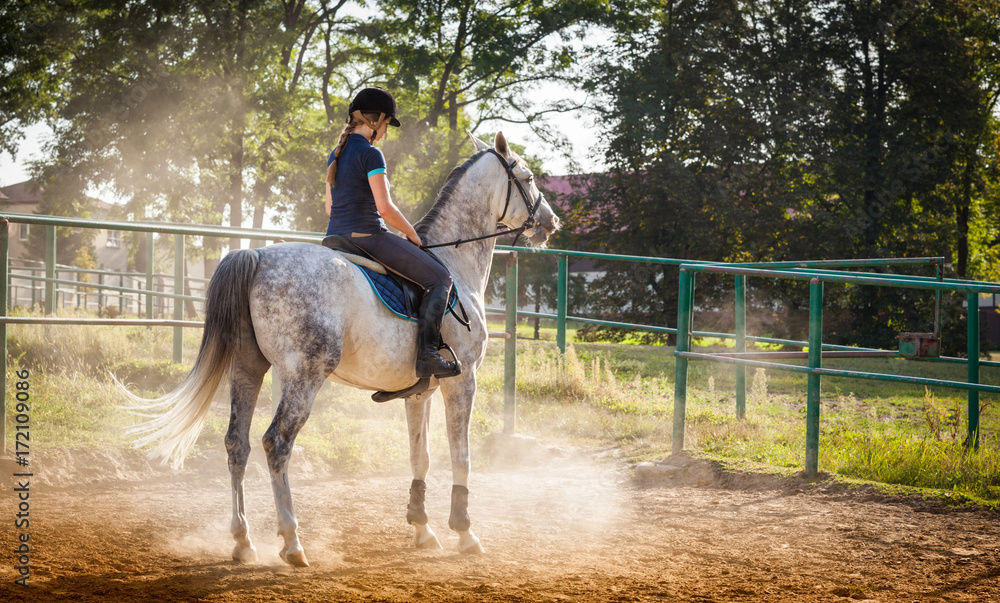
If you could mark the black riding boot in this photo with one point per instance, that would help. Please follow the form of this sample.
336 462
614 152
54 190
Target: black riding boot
429 361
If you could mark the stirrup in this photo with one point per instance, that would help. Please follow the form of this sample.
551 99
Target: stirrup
458 365
419 387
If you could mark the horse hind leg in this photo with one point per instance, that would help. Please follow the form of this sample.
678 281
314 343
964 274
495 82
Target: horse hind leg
418 412
297 395
245 380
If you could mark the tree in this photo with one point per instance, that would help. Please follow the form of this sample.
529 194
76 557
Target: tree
186 109
31 49
459 63
790 130
707 138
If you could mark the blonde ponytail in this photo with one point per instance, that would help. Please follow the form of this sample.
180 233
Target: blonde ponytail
331 171
372 120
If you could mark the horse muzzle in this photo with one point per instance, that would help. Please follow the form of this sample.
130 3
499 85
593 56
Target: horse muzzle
543 229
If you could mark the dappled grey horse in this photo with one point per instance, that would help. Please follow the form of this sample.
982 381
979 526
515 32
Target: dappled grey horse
312 315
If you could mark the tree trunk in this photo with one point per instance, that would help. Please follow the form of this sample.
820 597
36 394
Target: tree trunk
874 106
238 88
258 220
236 178
962 211
213 245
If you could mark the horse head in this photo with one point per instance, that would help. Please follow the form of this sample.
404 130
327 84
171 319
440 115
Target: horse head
524 204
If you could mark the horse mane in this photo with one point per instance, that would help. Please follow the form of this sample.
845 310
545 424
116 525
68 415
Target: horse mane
443 198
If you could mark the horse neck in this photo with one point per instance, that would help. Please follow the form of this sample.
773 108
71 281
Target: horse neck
466 216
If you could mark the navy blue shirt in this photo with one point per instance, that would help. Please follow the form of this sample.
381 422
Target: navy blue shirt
353 208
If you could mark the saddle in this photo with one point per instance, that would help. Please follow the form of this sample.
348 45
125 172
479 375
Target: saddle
400 296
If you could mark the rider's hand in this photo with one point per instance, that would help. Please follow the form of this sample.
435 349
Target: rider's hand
415 239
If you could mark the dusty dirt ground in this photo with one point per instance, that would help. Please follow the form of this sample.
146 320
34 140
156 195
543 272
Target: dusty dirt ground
578 528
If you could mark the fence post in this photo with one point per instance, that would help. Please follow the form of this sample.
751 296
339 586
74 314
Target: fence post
510 349
741 345
4 265
685 294
100 294
813 386
149 275
939 272
34 290
178 290
973 440
121 296
562 295
50 269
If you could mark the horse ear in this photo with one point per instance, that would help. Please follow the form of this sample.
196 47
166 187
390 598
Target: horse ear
500 144
479 144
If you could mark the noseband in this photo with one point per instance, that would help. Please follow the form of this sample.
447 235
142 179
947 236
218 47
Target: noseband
511 180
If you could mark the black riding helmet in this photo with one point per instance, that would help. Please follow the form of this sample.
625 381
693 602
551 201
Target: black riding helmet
374 100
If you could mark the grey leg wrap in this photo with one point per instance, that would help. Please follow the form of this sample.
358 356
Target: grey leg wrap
415 512
459 520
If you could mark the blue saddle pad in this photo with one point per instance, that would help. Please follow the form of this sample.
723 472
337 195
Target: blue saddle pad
390 293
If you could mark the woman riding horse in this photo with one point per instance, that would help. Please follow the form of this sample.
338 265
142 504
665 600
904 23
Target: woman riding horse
308 314
358 200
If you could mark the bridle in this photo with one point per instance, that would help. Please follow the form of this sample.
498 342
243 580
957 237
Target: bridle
511 181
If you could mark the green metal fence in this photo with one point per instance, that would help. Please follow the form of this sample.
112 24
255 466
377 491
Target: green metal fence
815 269
814 369
563 256
179 232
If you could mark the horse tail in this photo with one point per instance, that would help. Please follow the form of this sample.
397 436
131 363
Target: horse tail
227 315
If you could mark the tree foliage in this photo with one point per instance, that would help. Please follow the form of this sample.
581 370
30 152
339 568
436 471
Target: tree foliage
457 64
793 130
194 110
734 130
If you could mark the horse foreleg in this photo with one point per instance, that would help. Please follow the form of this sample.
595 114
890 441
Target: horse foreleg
418 413
296 401
458 414
244 385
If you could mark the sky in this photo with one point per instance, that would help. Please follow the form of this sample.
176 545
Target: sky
13 171
578 128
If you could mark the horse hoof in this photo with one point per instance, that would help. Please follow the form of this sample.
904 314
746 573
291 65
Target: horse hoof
245 554
426 540
468 544
296 559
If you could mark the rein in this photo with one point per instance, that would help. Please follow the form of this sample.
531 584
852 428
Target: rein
529 223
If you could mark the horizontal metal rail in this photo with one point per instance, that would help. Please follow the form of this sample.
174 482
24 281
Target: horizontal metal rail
70 268
70 320
62 281
74 269
749 338
928 283
979 387
257 234
805 355
875 262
